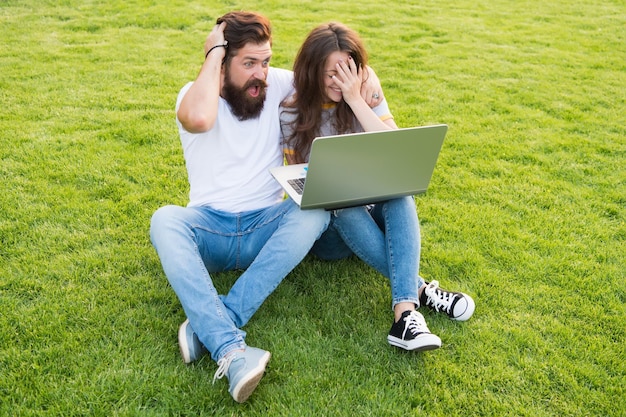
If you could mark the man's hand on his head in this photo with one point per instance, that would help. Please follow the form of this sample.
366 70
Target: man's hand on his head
216 37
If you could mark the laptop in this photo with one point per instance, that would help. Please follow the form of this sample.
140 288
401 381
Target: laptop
362 168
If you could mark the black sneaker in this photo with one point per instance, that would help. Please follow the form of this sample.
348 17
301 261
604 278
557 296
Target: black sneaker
456 305
411 333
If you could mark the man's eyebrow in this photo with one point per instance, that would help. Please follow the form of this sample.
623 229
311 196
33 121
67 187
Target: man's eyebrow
253 58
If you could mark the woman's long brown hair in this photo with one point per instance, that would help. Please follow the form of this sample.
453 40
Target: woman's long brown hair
309 84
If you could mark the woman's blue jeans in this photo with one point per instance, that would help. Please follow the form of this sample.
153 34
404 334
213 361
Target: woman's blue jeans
193 242
385 236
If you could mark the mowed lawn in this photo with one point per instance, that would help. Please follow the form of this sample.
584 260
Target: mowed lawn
525 212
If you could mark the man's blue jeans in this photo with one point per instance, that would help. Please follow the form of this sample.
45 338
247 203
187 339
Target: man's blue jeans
193 242
385 236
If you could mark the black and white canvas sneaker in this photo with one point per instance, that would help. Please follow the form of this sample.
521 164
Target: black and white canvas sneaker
457 305
411 333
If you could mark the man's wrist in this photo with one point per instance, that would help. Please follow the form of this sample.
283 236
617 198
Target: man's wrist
225 46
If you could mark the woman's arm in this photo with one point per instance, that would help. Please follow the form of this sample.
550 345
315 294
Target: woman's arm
349 78
372 90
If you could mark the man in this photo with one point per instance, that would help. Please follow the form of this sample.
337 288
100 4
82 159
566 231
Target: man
236 218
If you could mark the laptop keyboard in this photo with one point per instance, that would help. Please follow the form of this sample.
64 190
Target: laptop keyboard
297 184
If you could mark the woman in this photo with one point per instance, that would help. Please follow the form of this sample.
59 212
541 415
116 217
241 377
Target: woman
328 72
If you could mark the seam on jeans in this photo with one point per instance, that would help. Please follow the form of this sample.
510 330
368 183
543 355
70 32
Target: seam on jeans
215 232
390 260
240 232
206 275
231 347
238 254
405 300
278 215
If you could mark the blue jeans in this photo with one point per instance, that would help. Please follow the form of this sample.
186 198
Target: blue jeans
386 237
193 242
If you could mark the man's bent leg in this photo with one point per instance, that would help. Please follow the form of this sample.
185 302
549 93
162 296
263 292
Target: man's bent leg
175 233
292 236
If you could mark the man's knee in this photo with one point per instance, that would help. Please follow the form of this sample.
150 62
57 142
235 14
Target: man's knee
317 219
162 219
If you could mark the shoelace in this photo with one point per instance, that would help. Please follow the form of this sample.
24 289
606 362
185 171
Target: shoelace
415 323
438 298
222 366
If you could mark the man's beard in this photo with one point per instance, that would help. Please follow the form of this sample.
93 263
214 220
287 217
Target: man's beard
241 103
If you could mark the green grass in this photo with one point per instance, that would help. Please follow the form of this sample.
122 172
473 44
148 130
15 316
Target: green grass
526 212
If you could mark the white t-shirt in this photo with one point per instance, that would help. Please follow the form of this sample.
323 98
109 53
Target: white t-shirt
228 166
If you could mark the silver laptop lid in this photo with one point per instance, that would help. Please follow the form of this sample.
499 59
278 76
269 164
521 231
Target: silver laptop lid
362 168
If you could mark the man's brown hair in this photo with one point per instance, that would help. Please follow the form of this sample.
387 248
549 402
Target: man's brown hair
242 28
